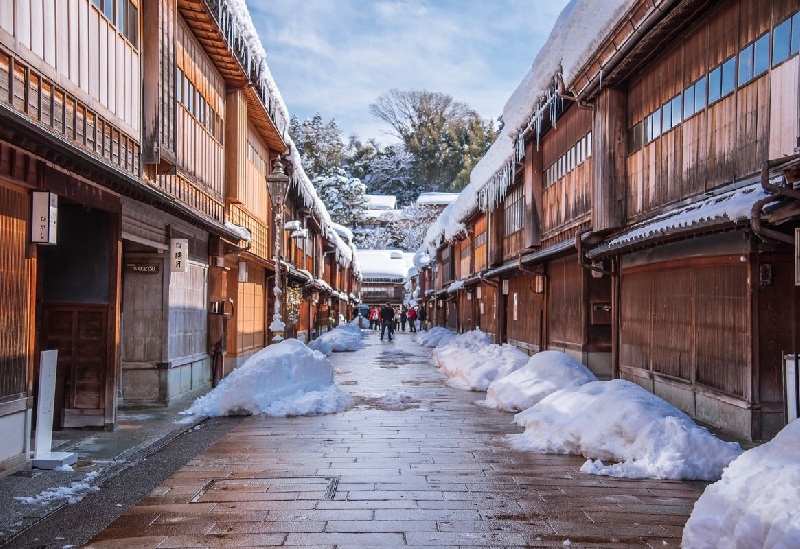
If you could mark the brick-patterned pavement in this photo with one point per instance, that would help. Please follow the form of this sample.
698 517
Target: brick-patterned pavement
425 468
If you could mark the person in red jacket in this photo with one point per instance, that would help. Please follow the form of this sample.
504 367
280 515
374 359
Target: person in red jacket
374 318
412 319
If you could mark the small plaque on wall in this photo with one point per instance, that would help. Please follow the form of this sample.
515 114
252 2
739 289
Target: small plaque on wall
179 255
44 216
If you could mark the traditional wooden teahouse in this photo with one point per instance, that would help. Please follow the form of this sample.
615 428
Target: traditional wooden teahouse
640 214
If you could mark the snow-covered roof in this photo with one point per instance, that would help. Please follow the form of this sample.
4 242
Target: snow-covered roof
437 198
575 37
725 207
381 201
256 58
384 263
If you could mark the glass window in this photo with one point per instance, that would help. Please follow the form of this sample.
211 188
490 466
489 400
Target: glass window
666 116
781 36
745 65
179 84
795 45
676 110
132 29
647 133
122 6
108 9
700 95
728 76
688 101
714 85
656 123
761 55
588 144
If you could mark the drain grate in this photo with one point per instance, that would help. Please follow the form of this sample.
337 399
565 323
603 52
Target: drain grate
221 490
330 491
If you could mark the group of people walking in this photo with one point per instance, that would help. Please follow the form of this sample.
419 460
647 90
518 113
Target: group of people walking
389 319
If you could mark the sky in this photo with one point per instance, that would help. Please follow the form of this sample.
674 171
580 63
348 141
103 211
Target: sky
336 57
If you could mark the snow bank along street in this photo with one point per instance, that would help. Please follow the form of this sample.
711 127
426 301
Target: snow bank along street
411 461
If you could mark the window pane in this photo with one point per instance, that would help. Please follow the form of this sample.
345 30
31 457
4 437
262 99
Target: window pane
761 55
745 65
179 84
588 144
133 24
656 123
108 9
648 134
780 41
121 5
795 33
688 102
676 110
714 84
700 95
666 116
729 76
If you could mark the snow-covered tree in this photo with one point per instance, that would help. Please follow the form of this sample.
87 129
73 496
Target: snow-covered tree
319 143
343 196
444 137
405 229
391 173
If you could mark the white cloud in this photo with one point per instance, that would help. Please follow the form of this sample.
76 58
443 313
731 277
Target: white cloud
336 57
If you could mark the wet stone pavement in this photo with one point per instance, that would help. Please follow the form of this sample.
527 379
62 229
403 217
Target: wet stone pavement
413 463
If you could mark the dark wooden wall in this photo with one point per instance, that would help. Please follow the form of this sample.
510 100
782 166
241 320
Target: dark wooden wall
529 323
688 320
566 303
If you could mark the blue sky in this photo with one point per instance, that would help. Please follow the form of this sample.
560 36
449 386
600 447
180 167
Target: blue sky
336 57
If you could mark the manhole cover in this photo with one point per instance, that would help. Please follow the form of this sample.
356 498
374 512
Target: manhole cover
267 489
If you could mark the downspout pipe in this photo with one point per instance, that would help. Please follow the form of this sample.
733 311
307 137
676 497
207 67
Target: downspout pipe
581 258
563 94
755 213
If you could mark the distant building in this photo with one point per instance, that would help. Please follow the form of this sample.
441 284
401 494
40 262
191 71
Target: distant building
383 274
380 210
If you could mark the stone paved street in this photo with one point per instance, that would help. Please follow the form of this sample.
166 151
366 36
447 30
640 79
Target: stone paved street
413 463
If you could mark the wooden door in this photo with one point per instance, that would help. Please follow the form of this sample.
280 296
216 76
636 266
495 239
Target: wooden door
79 332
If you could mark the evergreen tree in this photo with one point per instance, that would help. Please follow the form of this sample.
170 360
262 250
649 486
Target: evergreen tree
391 172
344 198
319 144
444 137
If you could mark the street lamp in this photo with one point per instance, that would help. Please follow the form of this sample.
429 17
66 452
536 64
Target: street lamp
277 184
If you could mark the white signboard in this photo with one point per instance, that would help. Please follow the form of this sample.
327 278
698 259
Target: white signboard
179 255
44 214
43 457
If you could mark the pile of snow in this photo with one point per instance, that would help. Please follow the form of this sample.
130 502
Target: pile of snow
472 361
641 435
345 337
544 374
756 503
434 337
287 379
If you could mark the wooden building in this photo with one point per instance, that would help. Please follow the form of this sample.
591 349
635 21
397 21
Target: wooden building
153 155
642 215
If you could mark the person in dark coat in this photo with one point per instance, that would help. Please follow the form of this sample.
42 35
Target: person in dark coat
387 321
423 318
402 318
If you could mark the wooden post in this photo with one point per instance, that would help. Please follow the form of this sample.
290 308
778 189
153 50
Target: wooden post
533 184
608 148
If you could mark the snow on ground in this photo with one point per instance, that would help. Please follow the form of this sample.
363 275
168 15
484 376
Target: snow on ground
286 379
756 503
472 361
434 337
637 433
345 337
545 373
73 493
